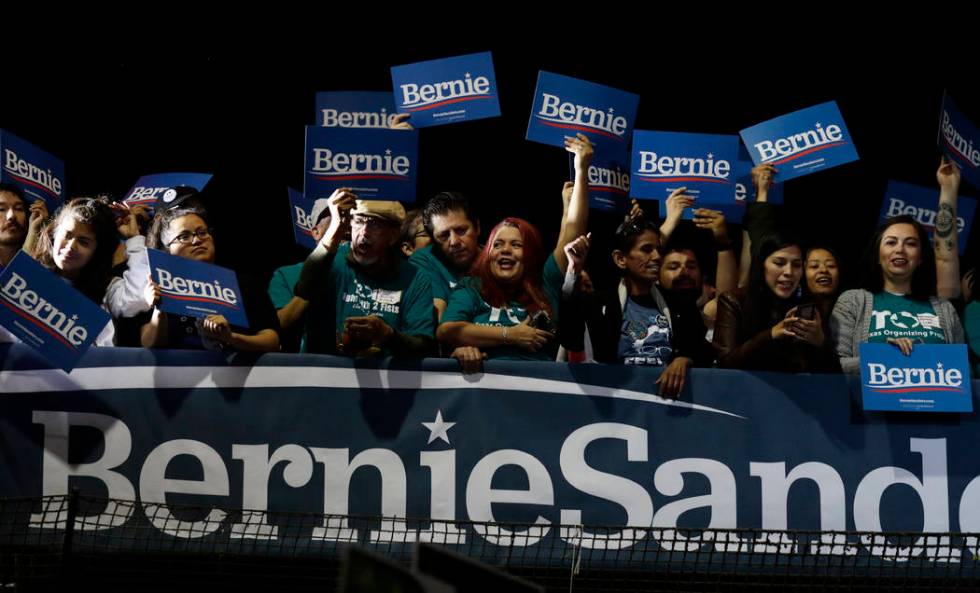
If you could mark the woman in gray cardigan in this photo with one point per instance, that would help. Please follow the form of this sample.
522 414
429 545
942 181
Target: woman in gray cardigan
898 303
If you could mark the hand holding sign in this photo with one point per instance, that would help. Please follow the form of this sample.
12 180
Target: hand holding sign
903 344
217 328
400 122
151 292
581 147
948 176
762 179
714 221
676 203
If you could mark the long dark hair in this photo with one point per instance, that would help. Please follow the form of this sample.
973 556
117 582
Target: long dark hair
163 218
531 295
765 309
924 277
95 212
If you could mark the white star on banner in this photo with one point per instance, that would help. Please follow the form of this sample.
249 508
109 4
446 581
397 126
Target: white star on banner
438 429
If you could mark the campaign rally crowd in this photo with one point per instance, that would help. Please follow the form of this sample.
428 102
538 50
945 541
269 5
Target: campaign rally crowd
431 282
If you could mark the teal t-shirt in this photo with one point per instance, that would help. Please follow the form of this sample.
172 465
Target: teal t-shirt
283 284
466 304
403 299
897 316
444 281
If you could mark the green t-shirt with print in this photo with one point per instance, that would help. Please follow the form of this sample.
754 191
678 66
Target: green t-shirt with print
403 299
444 280
466 304
898 316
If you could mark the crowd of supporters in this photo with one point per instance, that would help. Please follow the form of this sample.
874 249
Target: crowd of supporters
386 282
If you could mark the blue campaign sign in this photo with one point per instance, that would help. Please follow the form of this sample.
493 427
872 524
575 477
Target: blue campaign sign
46 313
40 175
921 203
355 109
957 136
609 183
564 106
375 164
802 142
665 161
934 378
446 91
150 189
301 212
197 289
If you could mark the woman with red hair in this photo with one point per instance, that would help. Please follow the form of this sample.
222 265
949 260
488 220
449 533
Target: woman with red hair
508 309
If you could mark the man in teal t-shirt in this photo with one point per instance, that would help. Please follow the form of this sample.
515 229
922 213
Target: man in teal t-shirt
365 300
451 221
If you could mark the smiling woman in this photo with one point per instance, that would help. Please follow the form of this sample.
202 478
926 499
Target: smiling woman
898 302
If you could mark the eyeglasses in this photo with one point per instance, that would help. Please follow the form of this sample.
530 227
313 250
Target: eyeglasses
188 236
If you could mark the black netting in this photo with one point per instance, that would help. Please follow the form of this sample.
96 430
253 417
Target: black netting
59 542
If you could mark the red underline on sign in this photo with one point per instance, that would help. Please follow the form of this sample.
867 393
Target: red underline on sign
34 183
806 152
448 102
355 177
954 149
672 179
581 129
915 389
200 299
53 333
614 190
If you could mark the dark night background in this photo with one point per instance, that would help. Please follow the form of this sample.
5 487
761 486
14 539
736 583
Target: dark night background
239 111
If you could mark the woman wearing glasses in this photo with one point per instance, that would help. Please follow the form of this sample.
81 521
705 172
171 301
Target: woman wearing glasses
183 231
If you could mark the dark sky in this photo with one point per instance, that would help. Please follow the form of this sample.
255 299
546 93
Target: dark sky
238 111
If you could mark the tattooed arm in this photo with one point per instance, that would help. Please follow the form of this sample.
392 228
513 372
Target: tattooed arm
946 243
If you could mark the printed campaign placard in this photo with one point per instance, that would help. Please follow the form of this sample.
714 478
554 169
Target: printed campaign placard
301 211
37 173
921 203
159 187
446 91
355 109
665 161
609 183
801 142
564 106
46 313
375 164
960 139
197 289
934 378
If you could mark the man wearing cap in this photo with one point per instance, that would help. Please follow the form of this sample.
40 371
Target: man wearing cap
364 299
290 308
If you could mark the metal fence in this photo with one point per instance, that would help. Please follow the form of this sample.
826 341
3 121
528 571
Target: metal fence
67 541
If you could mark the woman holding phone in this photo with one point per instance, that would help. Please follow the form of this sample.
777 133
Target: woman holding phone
762 327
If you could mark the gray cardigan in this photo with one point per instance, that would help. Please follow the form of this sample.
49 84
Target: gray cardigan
851 323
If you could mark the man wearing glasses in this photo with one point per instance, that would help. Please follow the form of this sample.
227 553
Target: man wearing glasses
365 299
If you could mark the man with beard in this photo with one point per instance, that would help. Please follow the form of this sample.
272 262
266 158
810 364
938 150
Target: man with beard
17 221
364 299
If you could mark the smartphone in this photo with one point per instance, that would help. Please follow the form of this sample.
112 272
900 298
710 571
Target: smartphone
541 320
806 311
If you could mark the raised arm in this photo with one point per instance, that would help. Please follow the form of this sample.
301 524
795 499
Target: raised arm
946 241
576 220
